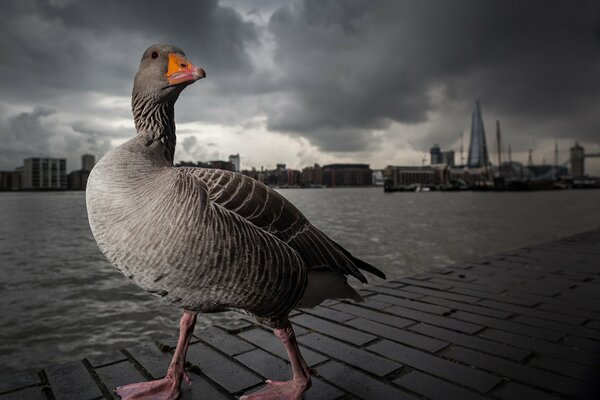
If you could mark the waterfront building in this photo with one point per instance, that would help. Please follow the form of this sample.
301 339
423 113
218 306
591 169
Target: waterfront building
441 157
470 176
6 180
252 173
44 173
448 158
221 164
87 162
77 180
312 176
403 176
378 178
234 159
548 172
216 164
577 161
347 175
436 154
478 153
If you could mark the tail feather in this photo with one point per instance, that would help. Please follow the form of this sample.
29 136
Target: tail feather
365 266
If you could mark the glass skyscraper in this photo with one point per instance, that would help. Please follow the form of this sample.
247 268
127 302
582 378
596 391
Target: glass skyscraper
478 154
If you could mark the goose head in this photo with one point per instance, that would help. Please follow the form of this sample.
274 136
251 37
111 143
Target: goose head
163 73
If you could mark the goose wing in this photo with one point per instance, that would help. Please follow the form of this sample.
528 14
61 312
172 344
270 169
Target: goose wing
268 210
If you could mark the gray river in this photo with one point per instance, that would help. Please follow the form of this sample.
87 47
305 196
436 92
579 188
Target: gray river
61 300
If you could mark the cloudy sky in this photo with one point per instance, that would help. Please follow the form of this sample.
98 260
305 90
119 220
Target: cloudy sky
300 82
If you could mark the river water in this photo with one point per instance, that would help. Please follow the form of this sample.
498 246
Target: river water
61 300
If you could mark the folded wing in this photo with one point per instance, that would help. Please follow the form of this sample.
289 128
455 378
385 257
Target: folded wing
271 212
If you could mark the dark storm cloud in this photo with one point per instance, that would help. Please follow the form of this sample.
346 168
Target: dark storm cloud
66 55
96 45
340 73
40 133
356 66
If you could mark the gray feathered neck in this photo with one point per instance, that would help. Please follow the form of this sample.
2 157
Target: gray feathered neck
155 120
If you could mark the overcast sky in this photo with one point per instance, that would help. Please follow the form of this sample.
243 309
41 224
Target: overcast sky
302 82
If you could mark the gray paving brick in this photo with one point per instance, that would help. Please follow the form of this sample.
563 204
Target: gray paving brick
523 373
321 390
435 389
228 374
568 368
508 326
499 297
266 364
235 325
542 347
369 302
514 390
473 308
561 302
119 374
398 293
200 389
472 342
478 380
225 342
557 326
30 393
453 276
583 343
335 330
72 381
383 318
571 319
593 324
446 322
398 335
151 358
329 313
413 304
19 380
271 367
443 295
267 341
351 355
106 358
467 284
359 384
426 284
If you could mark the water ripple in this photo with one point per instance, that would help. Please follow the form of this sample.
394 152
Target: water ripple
61 300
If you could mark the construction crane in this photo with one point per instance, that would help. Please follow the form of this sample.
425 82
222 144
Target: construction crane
499 143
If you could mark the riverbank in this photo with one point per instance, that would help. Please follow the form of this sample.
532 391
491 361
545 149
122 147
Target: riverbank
521 324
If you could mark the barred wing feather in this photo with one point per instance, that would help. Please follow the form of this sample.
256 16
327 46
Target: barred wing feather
271 212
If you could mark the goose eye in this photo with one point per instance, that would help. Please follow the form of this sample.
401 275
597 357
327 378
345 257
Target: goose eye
154 55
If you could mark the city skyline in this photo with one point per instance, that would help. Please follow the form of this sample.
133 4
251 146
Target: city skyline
310 82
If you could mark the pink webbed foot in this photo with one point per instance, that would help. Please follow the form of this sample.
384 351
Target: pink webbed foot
276 390
166 388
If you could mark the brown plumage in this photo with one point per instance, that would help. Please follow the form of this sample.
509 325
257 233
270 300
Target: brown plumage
207 240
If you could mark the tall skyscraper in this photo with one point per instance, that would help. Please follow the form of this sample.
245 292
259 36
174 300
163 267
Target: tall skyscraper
235 160
87 162
478 154
436 154
577 161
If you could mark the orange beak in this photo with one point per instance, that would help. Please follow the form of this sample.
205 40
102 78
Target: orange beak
180 70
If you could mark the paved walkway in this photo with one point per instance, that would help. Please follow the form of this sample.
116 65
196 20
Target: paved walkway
519 325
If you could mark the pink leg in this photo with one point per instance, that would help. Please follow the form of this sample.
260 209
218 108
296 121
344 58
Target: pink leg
166 388
300 383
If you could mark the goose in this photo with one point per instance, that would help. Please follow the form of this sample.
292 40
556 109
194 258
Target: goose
207 240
